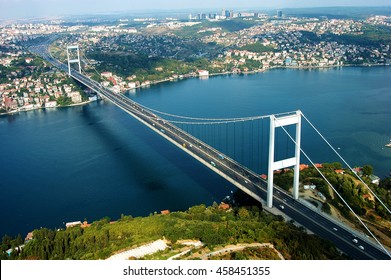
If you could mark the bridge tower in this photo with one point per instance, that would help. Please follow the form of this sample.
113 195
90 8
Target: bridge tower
73 60
294 119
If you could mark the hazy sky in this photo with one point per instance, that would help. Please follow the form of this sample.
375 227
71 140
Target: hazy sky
37 8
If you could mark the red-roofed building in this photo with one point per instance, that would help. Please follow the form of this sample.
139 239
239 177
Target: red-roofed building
111 79
85 224
339 171
224 206
165 212
7 102
29 236
357 170
303 166
106 74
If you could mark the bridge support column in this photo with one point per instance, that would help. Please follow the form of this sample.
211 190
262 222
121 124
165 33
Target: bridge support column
270 177
297 156
294 119
74 60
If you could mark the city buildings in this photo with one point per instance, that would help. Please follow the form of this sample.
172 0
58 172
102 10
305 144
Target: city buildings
26 82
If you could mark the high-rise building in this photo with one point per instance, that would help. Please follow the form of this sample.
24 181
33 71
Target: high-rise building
279 14
227 13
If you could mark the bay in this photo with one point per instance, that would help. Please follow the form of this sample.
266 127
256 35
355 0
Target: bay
87 162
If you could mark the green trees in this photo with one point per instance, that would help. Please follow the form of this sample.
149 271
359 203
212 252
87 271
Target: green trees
353 192
384 193
373 36
258 48
64 101
211 225
332 166
149 68
367 170
385 183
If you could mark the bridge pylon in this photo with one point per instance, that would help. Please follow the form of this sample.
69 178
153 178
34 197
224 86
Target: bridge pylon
275 122
73 60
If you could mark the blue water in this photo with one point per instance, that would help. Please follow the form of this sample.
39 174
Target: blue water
92 161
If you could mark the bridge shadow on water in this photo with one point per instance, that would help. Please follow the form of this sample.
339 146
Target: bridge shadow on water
153 162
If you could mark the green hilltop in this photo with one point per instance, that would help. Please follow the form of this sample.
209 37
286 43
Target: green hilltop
214 226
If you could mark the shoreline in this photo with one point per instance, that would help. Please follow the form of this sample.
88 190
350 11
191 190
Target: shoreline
40 108
210 75
257 71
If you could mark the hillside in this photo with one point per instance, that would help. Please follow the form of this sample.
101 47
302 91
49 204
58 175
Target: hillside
213 226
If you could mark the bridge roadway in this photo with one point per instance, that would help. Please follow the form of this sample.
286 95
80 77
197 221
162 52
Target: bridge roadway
234 172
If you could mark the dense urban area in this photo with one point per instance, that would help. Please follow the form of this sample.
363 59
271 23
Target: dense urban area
130 53
125 54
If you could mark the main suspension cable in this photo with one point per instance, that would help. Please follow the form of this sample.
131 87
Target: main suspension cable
344 161
328 182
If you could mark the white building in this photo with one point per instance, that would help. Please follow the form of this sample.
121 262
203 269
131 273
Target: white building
75 96
72 224
203 73
51 104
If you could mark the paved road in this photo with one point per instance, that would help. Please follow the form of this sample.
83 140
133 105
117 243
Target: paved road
237 174
241 247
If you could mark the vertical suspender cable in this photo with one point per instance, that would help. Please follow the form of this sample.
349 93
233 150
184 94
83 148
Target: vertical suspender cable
241 144
235 141
252 145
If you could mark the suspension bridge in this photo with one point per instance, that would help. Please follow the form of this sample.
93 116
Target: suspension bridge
226 146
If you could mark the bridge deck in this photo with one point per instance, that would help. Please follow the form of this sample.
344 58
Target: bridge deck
231 170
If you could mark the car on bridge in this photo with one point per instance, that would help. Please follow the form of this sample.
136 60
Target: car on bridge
231 169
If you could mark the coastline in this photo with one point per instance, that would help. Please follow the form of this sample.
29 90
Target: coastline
210 75
259 71
40 108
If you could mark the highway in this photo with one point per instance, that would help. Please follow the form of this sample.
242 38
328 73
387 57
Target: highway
235 173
